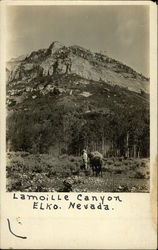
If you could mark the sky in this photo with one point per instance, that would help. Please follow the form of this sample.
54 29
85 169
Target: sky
122 32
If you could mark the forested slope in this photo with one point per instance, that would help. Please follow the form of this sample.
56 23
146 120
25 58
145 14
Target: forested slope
63 99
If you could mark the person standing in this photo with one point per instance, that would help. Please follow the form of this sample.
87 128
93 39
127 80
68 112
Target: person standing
85 159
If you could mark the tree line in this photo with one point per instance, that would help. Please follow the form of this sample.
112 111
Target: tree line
123 133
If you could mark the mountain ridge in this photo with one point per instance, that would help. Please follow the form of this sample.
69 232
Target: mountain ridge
82 62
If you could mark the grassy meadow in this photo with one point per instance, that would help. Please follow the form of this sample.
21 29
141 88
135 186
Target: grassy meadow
27 172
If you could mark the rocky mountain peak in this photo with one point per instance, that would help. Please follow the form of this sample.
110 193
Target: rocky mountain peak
59 59
54 46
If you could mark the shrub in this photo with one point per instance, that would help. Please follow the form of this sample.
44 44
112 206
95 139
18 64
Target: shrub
133 167
16 186
51 172
143 164
140 175
24 154
63 156
77 164
72 158
105 159
67 185
63 151
123 188
120 158
118 171
65 174
127 162
38 169
118 164
87 172
76 172
106 169
82 166
110 161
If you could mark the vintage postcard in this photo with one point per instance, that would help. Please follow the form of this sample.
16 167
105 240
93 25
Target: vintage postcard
78 125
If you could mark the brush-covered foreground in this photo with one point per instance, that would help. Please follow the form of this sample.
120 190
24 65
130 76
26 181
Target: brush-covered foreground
44 173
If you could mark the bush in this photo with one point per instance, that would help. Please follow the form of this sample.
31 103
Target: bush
63 151
143 164
72 158
77 165
38 169
15 186
118 171
133 167
65 174
123 188
110 161
127 162
120 158
66 185
106 169
51 172
140 175
118 164
87 172
63 156
105 159
76 172
24 154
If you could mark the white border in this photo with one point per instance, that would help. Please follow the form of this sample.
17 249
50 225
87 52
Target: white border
136 210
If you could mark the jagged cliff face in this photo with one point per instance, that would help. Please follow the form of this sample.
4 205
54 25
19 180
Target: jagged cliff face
59 59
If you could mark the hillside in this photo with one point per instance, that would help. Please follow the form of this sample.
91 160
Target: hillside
62 99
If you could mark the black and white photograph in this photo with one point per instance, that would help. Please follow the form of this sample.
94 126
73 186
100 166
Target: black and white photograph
78 98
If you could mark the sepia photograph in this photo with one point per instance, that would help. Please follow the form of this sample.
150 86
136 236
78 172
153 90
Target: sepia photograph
78 98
